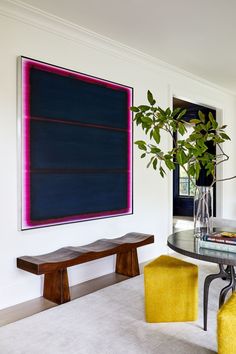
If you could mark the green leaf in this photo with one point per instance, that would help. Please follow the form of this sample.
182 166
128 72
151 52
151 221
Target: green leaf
156 135
144 108
137 142
168 111
134 109
195 121
138 117
186 157
209 172
225 136
154 163
143 155
223 126
213 121
193 137
201 143
150 98
210 168
211 118
155 150
218 139
191 170
141 145
181 114
149 163
175 112
208 125
147 120
161 111
197 169
201 116
174 125
181 128
215 125
162 172
181 157
170 164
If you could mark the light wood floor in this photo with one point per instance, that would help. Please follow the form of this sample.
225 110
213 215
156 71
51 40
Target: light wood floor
28 308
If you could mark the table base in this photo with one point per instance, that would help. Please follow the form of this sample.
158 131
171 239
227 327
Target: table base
227 273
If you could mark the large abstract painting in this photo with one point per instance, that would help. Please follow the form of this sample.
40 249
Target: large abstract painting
76 146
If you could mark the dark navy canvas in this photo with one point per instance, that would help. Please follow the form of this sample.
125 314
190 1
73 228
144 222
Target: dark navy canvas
77 146
59 97
68 146
60 195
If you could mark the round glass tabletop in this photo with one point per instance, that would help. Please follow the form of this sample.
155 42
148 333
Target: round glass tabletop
185 243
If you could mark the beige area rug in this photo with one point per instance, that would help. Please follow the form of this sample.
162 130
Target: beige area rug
111 321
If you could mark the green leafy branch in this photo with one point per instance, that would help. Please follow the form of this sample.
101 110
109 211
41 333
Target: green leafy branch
192 152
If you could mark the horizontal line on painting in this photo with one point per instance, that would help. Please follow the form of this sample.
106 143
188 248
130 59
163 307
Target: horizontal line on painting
72 122
77 170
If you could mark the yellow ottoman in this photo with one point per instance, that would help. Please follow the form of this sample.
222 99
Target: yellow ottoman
226 326
171 290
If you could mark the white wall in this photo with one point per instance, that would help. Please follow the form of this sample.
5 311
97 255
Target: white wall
26 33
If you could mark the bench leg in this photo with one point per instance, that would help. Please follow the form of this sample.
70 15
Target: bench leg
127 263
56 287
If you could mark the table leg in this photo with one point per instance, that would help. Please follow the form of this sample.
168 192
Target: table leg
230 286
227 269
222 273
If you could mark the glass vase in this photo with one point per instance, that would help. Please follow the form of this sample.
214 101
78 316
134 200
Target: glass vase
203 211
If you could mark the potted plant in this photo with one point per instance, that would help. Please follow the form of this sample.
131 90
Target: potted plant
192 153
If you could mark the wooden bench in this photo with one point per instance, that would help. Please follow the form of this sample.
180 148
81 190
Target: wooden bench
54 265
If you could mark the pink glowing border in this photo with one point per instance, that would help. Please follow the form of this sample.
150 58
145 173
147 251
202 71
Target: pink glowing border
27 223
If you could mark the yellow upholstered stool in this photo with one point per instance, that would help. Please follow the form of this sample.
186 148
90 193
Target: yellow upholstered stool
226 326
171 290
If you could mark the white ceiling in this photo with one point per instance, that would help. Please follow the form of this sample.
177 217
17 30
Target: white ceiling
198 36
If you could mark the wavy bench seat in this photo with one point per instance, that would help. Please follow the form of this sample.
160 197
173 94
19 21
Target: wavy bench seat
54 265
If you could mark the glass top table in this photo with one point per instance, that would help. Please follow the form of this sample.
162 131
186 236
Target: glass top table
185 243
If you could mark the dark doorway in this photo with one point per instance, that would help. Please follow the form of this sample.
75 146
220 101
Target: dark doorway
183 188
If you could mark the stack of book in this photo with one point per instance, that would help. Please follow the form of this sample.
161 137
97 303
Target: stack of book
223 241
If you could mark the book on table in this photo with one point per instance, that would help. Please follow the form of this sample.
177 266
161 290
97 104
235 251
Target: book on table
221 237
221 241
